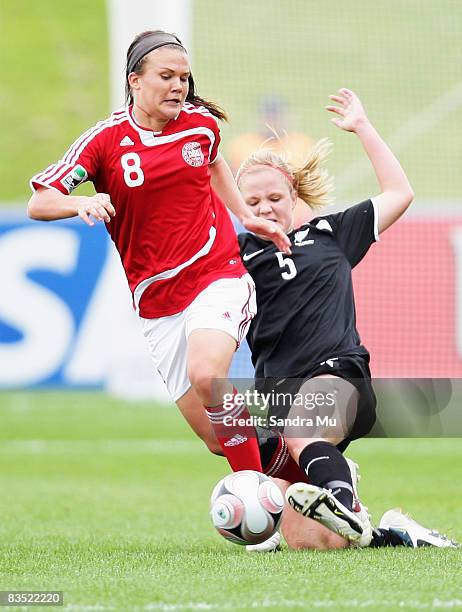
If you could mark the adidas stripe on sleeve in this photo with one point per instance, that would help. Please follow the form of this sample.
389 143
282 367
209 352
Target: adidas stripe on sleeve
79 163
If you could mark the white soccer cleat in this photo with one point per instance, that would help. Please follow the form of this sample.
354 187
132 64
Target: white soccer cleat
413 534
272 544
321 505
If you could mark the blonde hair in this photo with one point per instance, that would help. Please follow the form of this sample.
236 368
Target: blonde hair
311 181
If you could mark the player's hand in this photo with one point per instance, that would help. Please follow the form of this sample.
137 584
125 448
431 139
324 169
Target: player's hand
269 231
350 110
98 206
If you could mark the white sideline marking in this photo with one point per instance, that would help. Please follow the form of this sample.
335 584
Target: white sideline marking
281 603
134 447
447 103
141 446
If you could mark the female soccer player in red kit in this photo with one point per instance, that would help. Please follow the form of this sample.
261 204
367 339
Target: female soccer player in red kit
161 185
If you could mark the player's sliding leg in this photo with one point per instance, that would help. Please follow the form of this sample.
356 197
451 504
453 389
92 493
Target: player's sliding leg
395 528
299 532
330 496
209 357
331 514
322 501
325 467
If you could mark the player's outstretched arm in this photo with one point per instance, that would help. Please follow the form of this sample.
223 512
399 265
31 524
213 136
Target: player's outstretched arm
224 184
396 192
49 205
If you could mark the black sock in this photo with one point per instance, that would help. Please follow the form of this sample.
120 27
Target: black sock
326 467
382 538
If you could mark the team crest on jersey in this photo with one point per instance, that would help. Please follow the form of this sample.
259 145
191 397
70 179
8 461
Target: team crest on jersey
192 154
73 178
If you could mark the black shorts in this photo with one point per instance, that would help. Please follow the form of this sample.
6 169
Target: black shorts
352 368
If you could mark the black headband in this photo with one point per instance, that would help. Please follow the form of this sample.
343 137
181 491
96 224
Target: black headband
147 44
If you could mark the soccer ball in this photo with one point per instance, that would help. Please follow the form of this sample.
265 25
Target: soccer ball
246 507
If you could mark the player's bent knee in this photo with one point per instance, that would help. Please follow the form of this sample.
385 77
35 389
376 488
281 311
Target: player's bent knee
206 383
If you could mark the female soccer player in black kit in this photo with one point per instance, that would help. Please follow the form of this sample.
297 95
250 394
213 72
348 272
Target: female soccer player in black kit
303 339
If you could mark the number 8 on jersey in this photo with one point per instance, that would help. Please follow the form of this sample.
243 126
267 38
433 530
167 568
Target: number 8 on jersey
131 163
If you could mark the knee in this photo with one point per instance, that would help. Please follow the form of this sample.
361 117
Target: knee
200 378
202 383
207 383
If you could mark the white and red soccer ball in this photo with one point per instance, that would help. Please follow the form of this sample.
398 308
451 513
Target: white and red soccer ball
246 507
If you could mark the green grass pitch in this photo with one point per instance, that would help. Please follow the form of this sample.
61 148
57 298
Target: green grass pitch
108 502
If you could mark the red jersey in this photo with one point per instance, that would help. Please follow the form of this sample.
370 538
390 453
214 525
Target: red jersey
174 235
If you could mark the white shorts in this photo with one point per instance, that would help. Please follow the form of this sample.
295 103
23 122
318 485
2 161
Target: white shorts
228 304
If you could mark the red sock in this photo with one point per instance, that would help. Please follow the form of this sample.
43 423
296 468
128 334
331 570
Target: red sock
282 465
238 442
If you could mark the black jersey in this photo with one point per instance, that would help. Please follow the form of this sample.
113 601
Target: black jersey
306 312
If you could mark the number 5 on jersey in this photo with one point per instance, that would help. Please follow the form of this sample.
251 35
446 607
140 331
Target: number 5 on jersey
133 174
286 262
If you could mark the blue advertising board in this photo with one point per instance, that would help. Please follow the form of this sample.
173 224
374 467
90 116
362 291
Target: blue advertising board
63 300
